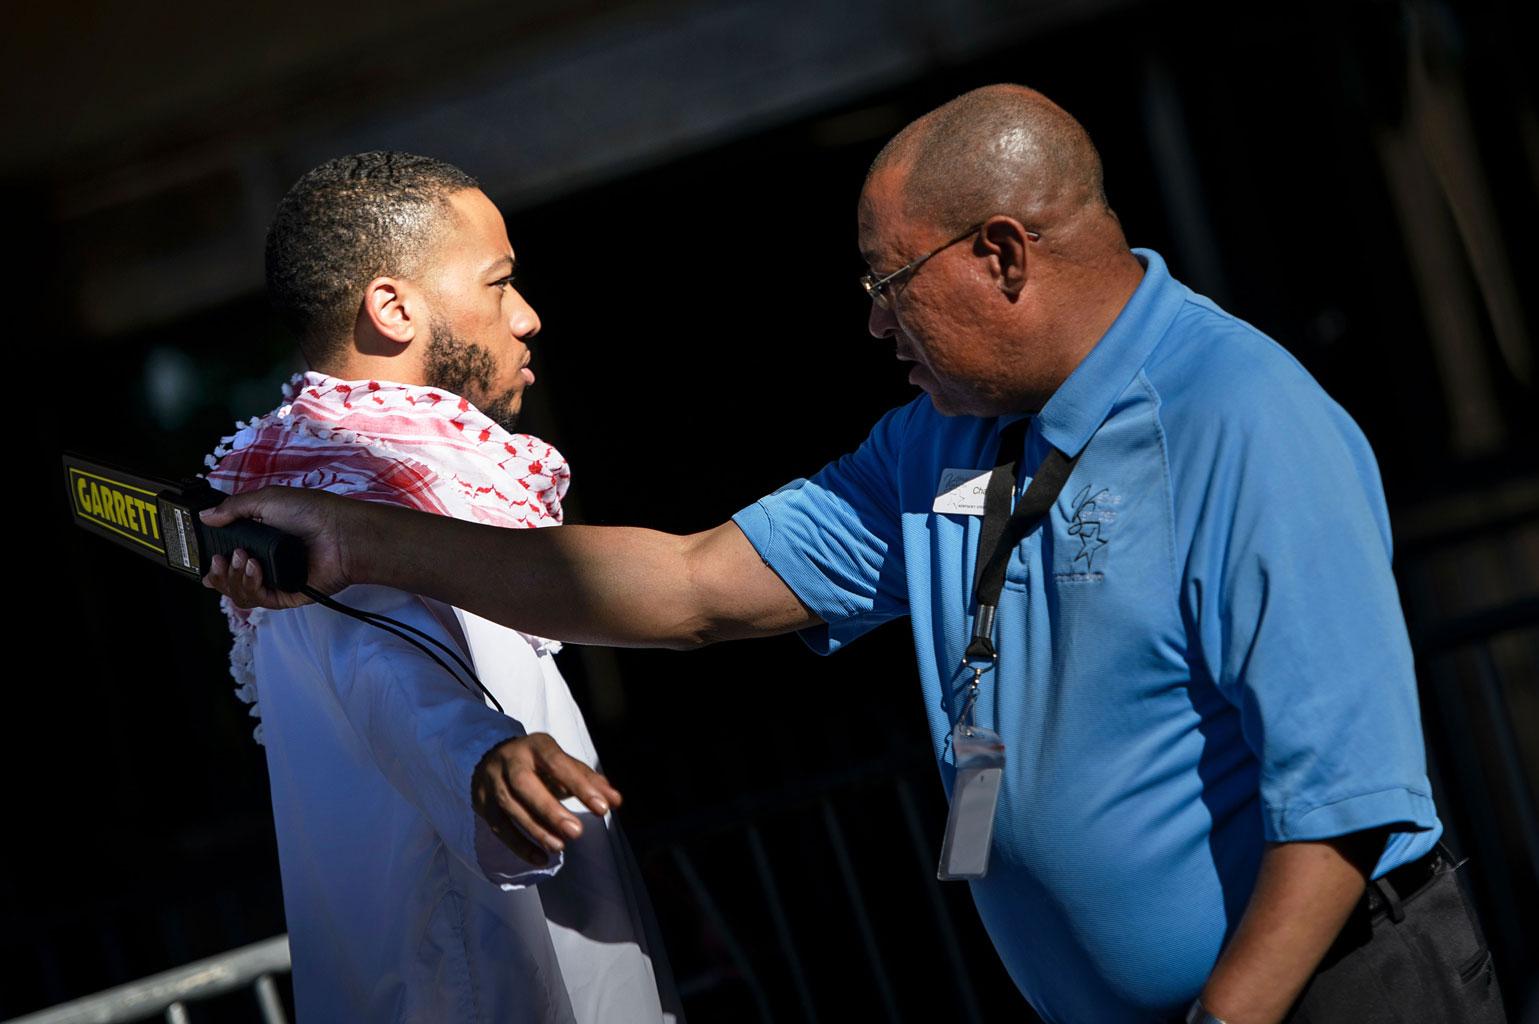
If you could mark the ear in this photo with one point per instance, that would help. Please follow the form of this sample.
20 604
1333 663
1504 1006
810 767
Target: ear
1008 242
393 309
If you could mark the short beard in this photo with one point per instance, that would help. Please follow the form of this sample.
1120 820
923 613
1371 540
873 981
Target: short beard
454 364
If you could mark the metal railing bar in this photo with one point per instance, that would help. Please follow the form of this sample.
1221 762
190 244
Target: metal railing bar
937 905
782 926
858 905
161 992
718 921
176 1013
269 1002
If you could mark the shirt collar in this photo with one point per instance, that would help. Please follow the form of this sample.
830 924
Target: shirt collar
1082 403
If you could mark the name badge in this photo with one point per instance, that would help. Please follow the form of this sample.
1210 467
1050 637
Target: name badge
980 759
961 491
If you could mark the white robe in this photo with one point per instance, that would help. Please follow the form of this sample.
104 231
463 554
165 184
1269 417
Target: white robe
401 904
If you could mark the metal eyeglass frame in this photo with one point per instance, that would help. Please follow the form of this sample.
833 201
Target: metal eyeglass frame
876 287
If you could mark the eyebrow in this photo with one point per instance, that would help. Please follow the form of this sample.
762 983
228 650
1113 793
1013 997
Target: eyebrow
504 259
873 261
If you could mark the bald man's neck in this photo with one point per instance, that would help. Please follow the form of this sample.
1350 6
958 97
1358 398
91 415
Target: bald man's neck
1078 303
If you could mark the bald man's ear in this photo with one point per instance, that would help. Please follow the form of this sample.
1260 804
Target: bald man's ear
392 309
1008 242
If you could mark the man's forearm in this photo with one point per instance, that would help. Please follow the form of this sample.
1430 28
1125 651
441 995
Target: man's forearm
611 585
605 585
1304 893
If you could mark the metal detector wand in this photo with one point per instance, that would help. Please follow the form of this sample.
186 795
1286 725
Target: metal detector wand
159 520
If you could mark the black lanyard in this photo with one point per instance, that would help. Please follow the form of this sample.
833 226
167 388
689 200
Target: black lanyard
1001 531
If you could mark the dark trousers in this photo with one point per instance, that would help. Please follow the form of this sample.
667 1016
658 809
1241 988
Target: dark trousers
1410 953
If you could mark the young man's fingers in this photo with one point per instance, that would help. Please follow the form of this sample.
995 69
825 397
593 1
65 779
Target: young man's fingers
515 840
534 795
578 779
518 806
556 786
606 792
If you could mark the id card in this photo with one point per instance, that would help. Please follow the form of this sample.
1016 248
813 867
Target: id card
961 491
980 760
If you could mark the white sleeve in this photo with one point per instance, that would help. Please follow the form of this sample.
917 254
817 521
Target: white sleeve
424 730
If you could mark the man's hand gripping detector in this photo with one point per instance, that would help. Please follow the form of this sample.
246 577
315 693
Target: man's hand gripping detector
159 520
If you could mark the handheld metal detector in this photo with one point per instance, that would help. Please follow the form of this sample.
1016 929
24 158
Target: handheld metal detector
159 520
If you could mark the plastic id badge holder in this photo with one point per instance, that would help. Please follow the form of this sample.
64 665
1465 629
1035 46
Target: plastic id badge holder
980 761
979 753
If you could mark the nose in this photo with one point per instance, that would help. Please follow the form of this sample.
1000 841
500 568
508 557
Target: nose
880 322
523 321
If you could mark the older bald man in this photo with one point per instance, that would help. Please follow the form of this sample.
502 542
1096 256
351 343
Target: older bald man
1147 565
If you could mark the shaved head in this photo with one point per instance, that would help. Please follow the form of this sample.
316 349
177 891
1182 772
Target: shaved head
1001 149
996 325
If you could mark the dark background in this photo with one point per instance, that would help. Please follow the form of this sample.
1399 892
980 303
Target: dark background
1359 180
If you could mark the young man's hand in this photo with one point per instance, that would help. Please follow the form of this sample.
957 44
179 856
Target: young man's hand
522 781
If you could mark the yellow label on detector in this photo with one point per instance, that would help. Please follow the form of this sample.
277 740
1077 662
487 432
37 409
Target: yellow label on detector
123 508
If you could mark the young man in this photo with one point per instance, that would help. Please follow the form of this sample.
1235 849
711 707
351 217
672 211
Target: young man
413 819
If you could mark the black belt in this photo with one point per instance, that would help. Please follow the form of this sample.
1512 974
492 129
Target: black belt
1386 894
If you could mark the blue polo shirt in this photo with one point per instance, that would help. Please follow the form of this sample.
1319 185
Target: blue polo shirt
1201 650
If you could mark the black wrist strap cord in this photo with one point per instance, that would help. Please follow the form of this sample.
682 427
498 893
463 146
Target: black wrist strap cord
395 628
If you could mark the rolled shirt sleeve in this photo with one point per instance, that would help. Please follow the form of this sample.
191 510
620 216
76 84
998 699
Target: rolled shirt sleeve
424 730
1298 623
836 538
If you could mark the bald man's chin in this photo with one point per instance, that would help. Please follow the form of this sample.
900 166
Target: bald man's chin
947 405
922 379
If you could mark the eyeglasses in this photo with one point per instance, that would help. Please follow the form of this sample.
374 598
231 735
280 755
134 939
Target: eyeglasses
879 288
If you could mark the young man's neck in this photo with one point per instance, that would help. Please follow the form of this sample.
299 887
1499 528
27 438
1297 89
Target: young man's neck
392 370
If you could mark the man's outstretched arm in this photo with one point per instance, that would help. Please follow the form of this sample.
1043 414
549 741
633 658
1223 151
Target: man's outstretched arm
605 585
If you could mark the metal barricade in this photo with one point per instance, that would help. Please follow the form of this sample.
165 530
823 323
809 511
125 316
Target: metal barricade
254 966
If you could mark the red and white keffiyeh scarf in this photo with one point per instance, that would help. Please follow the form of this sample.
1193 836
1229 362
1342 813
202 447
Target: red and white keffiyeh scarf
420 447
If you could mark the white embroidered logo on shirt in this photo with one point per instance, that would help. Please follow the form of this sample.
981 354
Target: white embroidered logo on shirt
1093 512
